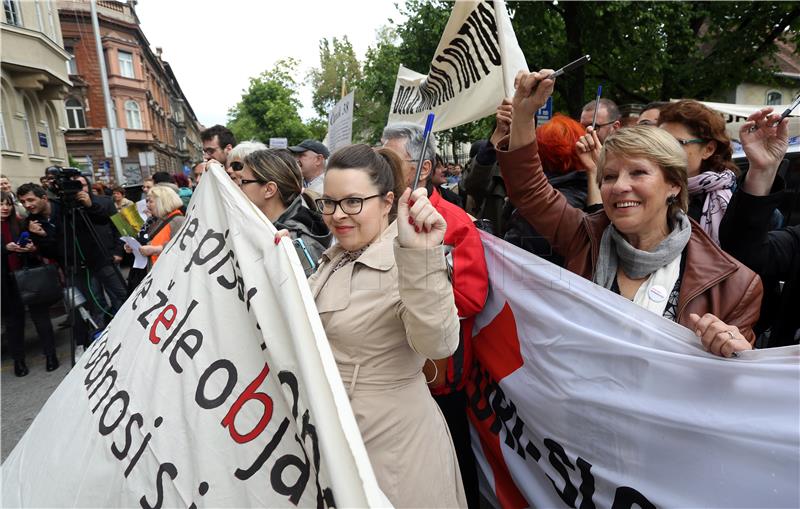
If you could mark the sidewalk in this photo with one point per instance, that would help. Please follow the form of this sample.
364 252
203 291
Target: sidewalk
22 398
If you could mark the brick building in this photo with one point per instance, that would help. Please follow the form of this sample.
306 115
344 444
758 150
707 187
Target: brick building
148 101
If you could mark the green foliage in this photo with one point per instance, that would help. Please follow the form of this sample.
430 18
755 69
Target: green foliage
337 63
641 52
646 51
269 107
375 90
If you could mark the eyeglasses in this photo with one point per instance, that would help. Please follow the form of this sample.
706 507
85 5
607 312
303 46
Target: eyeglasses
689 141
250 181
605 124
210 150
237 165
350 206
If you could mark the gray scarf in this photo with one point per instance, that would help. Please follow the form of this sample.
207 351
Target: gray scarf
615 250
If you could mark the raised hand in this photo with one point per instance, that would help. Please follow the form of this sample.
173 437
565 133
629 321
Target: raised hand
503 117
588 149
765 145
419 225
532 91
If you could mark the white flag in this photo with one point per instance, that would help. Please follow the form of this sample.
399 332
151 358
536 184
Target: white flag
579 398
214 386
470 74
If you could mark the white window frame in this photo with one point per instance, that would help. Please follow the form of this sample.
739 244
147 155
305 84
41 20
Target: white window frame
39 19
3 139
31 136
72 63
126 67
52 21
773 92
72 114
13 5
133 115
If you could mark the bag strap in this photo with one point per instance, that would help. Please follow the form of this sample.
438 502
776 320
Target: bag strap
162 226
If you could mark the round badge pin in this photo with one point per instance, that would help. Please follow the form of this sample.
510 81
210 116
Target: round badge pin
657 293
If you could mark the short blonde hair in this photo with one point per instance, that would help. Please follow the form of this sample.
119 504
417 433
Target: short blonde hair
165 201
655 145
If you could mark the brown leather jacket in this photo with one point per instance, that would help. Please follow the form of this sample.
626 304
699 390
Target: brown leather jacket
713 281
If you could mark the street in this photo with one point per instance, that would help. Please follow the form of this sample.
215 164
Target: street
22 398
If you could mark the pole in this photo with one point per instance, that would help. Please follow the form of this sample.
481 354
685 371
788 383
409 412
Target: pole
110 118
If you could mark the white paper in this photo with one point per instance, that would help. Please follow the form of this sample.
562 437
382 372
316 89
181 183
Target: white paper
139 260
141 207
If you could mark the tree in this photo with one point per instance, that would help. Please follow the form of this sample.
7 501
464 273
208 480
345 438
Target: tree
337 64
649 51
269 107
641 51
377 85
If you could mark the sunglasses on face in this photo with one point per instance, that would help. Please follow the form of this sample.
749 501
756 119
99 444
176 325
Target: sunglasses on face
237 165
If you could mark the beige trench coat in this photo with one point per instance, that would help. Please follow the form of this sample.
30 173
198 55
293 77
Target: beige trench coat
384 314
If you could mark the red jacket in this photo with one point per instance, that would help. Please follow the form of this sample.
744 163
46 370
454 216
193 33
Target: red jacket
470 285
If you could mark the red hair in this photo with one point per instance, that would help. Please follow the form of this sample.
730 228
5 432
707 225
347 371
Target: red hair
556 141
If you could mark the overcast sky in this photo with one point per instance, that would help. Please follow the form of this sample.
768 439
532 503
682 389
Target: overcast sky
215 47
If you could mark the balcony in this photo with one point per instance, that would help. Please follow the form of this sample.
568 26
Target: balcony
38 61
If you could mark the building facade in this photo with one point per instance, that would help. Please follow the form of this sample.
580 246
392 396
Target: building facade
160 127
34 80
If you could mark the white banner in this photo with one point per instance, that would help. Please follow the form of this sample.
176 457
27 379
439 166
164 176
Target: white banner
472 71
214 386
736 114
582 399
340 124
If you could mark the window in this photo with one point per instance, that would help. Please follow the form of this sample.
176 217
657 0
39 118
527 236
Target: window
132 115
13 14
52 121
29 121
75 117
72 65
126 64
3 140
52 21
39 21
774 97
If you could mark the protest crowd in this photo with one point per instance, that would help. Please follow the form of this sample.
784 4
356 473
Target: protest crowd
656 212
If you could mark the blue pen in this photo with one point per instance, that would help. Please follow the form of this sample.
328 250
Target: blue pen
421 158
596 106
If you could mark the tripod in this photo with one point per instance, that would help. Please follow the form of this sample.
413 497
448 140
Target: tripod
74 301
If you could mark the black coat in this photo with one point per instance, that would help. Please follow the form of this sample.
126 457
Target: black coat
91 252
520 233
774 255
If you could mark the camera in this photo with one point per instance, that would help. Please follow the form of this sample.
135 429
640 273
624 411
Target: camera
63 183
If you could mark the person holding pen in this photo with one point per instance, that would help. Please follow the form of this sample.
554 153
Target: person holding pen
386 303
746 233
641 245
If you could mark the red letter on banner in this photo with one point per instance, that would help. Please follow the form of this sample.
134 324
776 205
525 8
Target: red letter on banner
162 319
250 393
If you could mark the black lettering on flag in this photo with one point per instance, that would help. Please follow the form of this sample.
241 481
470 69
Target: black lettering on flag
468 58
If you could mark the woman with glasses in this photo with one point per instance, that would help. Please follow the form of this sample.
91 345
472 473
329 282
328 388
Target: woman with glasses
384 298
272 180
641 245
712 173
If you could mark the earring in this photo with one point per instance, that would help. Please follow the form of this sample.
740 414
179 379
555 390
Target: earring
671 199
